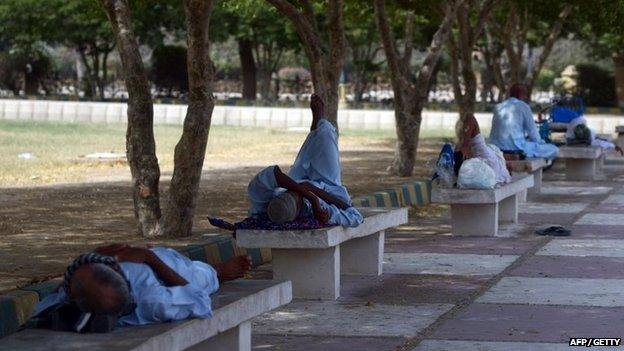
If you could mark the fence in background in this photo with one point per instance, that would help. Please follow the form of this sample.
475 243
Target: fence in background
266 117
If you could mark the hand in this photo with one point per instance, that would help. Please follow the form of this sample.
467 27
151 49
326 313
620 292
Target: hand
320 213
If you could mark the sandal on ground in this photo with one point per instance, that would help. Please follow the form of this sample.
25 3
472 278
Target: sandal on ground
555 230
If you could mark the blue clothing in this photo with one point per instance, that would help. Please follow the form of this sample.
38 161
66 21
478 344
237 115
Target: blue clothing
156 302
513 129
318 162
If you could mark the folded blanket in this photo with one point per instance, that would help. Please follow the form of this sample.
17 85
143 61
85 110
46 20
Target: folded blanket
262 222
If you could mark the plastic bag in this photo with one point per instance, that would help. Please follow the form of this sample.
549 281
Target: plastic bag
476 174
445 167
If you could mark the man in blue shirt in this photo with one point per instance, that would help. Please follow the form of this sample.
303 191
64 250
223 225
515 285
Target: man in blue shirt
142 286
513 127
313 187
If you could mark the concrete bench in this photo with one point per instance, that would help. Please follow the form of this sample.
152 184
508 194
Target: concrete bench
582 162
314 259
229 329
478 212
533 166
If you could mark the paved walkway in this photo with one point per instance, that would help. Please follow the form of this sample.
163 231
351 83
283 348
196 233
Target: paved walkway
514 292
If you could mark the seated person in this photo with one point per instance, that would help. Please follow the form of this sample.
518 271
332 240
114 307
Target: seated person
572 131
513 127
471 144
312 188
141 286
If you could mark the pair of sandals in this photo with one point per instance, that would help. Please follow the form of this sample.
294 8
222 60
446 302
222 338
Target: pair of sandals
555 230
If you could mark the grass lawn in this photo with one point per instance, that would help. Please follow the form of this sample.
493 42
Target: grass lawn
56 146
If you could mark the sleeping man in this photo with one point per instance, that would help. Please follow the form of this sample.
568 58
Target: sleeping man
134 286
313 187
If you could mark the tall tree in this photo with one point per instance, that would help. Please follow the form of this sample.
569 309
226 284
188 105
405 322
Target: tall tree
190 150
522 25
472 17
324 43
409 95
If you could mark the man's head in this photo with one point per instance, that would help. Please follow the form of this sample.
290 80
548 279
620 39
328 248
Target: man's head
97 288
284 207
519 91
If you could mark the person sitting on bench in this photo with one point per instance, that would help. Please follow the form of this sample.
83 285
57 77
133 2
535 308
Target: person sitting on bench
513 127
313 187
470 143
138 286
578 132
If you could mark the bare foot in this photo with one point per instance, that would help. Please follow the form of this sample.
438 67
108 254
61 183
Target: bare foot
234 268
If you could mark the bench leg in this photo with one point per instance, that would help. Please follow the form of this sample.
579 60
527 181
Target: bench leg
363 256
522 196
314 273
235 339
581 169
474 220
537 182
620 140
508 210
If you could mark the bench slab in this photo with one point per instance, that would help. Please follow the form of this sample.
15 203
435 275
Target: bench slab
234 305
314 259
582 162
481 196
375 220
533 166
478 212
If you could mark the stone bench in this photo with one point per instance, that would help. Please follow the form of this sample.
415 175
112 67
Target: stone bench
314 259
478 212
229 329
532 166
582 162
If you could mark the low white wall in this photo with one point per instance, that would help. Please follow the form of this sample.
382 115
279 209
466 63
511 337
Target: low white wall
105 112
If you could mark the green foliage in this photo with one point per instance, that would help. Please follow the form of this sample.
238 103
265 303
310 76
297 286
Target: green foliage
169 69
595 85
545 79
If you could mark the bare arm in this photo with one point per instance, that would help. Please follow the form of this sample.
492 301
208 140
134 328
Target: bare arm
325 196
288 183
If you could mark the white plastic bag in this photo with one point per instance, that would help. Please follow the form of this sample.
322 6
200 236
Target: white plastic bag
476 174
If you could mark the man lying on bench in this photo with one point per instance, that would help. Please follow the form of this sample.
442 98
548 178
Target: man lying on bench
313 187
125 285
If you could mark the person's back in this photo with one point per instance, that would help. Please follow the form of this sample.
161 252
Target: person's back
508 124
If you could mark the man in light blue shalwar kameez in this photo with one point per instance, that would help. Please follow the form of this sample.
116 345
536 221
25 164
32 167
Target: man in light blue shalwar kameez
162 284
513 127
313 187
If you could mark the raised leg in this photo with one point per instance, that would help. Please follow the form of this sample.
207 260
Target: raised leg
581 169
537 182
474 219
235 339
315 273
363 256
508 210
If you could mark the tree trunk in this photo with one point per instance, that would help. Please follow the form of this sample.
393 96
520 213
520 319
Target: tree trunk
248 68
618 62
191 149
264 80
408 117
140 145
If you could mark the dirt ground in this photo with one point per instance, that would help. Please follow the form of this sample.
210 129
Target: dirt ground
43 227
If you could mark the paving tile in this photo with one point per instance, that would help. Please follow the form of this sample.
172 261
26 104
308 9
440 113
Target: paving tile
571 267
575 190
459 244
556 291
602 219
446 264
614 199
406 289
541 207
534 323
583 247
332 318
453 345
322 343
584 231
546 219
